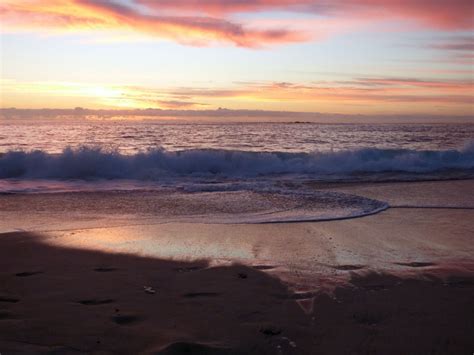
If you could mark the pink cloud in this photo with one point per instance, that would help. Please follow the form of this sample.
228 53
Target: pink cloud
205 22
441 14
96 15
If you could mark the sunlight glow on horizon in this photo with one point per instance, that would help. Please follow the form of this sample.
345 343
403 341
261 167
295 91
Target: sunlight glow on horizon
283 55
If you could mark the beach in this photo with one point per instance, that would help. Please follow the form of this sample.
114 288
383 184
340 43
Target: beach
398 281
242 177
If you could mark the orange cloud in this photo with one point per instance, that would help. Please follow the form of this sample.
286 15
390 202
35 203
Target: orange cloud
381 95
368 90
94 15
205 22
363 95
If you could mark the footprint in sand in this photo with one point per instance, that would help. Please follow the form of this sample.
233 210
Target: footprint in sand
105 269
6 315
193 348
416 264
28 273
201 294
125 319
9 299
368 318
96 302
348 267
270 330
188 269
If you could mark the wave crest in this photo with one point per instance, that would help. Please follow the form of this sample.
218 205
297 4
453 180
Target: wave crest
96 163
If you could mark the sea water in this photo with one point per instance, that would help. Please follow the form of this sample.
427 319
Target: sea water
229 172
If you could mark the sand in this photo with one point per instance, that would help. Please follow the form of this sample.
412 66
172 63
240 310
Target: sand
401 281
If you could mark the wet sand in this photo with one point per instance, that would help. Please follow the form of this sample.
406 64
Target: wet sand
401 281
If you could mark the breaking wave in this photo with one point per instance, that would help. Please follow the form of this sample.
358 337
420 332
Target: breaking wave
154 165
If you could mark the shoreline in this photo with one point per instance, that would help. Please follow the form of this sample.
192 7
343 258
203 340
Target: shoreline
400 281
76 210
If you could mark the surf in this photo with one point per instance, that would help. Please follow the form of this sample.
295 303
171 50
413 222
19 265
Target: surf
158 164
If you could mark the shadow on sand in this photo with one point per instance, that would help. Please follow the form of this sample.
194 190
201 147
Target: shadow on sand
61 300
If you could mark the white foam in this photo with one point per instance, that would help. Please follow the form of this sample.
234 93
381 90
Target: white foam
160 165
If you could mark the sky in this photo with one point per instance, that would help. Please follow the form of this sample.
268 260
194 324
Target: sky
362 57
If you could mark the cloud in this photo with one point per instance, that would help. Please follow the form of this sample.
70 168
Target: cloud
453 14
366 90
456 44
175 104
364 94
412 82
456 50
96 15
208 22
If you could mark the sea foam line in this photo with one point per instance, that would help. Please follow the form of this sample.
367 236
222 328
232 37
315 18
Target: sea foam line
157 164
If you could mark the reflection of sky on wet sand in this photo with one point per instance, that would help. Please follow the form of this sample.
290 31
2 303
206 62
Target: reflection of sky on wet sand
170 241
297 252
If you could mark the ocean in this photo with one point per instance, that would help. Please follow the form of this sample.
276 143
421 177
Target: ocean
132 136
234 172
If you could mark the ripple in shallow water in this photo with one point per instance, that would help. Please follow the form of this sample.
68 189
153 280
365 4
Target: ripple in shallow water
201 207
